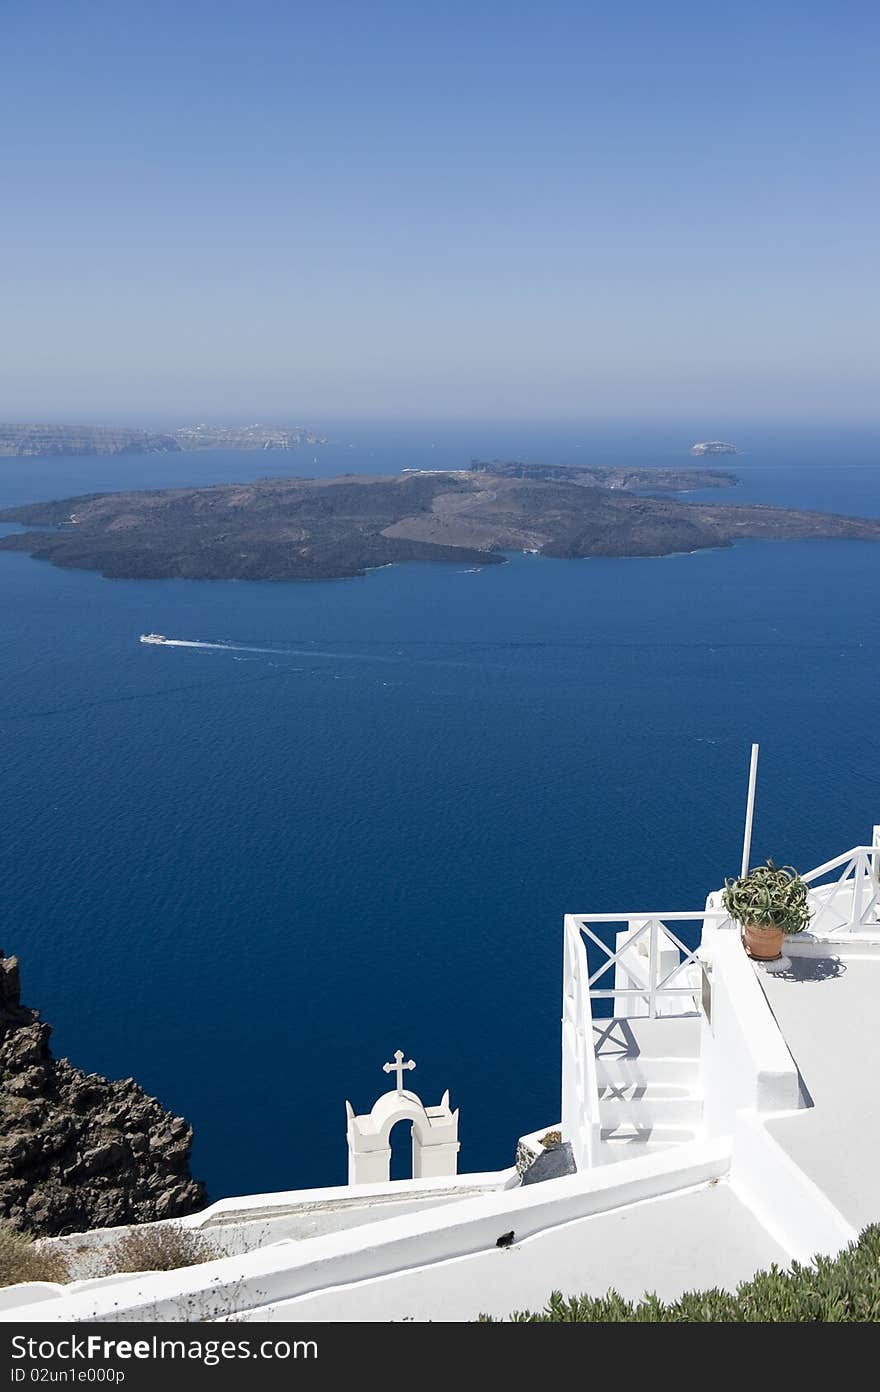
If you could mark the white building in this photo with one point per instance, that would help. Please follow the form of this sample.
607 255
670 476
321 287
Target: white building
721 1118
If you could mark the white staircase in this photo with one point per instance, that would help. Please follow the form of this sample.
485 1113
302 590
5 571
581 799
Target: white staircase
648 1072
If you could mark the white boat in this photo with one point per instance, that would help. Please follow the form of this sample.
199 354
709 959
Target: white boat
153 638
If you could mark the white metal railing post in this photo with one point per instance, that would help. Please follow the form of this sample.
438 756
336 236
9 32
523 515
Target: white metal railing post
580 1084
652 969
860 869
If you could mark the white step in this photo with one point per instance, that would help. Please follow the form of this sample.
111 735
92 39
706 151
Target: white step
649 1079
650 1105
642 1072
674 1036
640 1051
626 1142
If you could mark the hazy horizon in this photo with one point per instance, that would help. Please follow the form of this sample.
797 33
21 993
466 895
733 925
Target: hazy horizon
697 423
293 214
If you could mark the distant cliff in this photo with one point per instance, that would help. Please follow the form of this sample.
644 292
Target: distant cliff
629 479
98 439
81 439
78 1151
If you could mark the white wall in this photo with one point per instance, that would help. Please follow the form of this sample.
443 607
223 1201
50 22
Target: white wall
744 1059
262 1279
794 1210
244 1223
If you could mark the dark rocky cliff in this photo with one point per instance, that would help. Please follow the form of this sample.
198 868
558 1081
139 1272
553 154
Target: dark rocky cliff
78 1151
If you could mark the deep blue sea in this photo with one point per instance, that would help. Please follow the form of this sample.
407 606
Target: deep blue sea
246 878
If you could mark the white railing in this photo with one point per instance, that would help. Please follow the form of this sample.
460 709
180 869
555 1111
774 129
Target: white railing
581 1122
845 892
580 1087
642 958
656 972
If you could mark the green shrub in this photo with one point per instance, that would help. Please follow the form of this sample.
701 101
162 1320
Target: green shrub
843 1290
770 896
22 1259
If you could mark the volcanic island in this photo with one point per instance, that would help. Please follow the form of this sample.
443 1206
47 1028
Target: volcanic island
321 528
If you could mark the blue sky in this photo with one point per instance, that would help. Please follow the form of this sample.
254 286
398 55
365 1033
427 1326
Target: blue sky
264 210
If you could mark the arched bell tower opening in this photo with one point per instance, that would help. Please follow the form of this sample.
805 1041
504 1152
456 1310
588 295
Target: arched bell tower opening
435 1143
400 1139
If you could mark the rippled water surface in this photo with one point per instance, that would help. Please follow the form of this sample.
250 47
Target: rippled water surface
246 873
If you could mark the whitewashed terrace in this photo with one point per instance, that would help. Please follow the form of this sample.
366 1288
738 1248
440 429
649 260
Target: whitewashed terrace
723 1119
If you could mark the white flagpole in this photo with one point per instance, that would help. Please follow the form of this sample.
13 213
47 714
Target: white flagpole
750 810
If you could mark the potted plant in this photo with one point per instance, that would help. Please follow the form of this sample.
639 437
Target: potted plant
768 902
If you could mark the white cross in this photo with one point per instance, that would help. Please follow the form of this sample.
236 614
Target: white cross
398 1067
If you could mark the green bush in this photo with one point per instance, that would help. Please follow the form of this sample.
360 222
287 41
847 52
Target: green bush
769 896
843 1290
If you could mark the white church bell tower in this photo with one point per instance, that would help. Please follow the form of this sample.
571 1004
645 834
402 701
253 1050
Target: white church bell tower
435 1143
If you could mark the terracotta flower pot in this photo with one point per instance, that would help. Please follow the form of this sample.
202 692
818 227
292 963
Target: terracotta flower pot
764 944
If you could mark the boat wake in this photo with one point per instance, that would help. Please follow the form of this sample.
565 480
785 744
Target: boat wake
193 643
160 641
